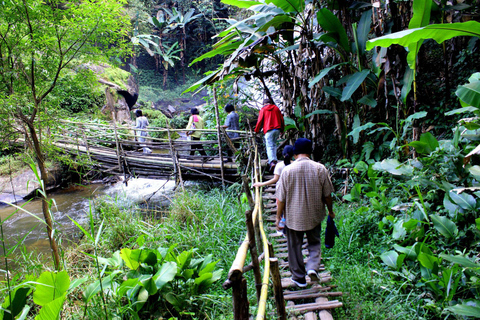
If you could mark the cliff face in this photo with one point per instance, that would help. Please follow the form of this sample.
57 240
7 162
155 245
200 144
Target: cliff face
115 79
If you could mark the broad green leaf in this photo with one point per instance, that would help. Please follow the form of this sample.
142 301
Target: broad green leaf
330 23
76 283
451 208
420 18
353 83
464 200
51 311
127 285
50 286
461 110
363 30
165 274
356 124
322 111
288 5
427 260
465 310
394 167
149 284
407 84
275 22
131 258
411 224
399 231
115 261
444 225
461 260
437 32
323 73
355 133
368 100
408 251
19 301
427 144
225 49
95 287
390 258
475 171
334 92
23 314
470 93
477 223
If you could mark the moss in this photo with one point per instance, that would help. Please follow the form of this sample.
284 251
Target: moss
117 76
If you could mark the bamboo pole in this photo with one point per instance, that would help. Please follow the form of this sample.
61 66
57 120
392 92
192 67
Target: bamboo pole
253 252
116 138
240 300
217 116
277 289
172 152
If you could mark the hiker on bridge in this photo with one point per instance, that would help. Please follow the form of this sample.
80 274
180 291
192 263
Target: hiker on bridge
305 188
196 122
142 123
232 122
271 119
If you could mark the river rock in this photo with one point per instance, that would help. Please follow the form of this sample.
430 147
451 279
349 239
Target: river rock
23 186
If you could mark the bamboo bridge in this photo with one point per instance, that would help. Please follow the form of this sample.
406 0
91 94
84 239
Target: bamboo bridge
114 150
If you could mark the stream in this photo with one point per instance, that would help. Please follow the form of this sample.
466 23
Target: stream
74 203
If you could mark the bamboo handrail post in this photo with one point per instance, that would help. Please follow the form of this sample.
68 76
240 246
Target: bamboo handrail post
179 172
172 152
240 299
246 189
217 116
277 289
253 252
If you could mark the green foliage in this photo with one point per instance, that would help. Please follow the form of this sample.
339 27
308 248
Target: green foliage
78 92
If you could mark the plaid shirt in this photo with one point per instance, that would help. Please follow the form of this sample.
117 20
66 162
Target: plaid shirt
302 187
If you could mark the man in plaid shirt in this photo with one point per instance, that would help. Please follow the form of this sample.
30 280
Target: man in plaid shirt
304 190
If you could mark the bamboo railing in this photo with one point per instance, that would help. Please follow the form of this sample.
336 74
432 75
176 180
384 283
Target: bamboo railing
114 149
235 279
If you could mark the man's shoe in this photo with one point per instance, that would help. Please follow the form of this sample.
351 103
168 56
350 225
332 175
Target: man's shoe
299 284
313 275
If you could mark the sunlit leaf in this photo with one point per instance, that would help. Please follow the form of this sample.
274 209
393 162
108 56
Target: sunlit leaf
50 286
427 260
437 32
165 274
51 311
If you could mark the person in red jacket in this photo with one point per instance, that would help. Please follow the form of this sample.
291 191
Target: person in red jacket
271 119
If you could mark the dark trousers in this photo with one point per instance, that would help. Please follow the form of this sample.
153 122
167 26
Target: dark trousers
295 256
198 147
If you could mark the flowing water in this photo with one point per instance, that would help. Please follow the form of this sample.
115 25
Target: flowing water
74 203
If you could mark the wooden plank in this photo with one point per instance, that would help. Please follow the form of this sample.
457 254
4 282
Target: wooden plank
315 306
310 316
287 283
313 295
325 315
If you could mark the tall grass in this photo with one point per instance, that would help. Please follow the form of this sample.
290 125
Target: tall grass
368 292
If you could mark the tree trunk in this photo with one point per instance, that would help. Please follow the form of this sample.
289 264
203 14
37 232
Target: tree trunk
45 209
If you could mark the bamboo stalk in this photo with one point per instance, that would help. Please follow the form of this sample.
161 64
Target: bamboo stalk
277 289
253 252
217 116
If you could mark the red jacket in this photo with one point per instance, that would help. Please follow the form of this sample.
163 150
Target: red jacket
270 118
